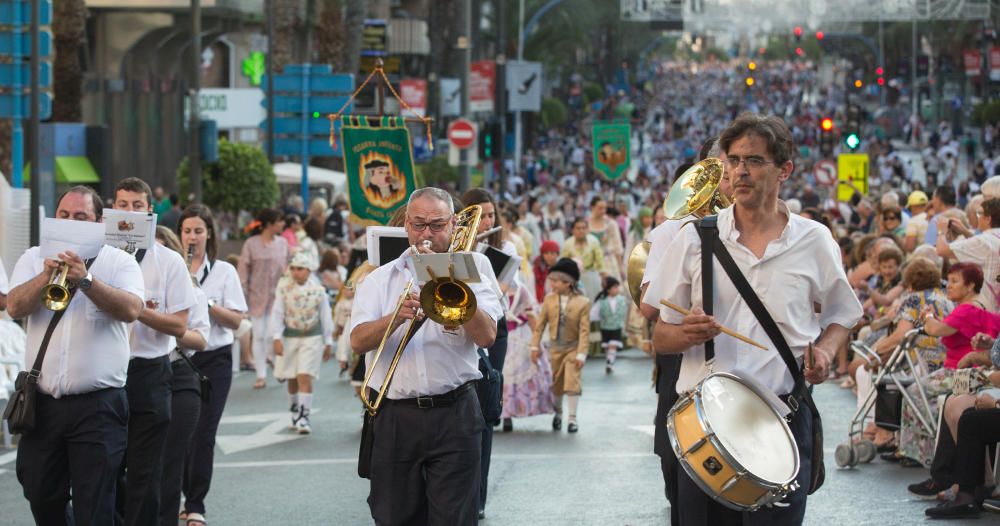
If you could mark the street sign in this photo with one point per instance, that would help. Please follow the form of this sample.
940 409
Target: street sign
7 72
44 43
17 13
296 104
852 171
12 107
462 133
524 86
826 173
471 157
293 126
292 147
318 83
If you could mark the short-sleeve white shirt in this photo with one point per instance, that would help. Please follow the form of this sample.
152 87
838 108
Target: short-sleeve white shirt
984 250
436 361
89 350
169 288
659 239
221 283
4 287
198 320
799 269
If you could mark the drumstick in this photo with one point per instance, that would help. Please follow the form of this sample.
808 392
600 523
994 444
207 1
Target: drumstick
734 334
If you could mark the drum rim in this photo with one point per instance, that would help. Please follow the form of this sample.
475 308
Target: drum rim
774 489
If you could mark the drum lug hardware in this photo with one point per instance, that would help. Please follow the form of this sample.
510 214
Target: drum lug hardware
697 445
712 465
728 485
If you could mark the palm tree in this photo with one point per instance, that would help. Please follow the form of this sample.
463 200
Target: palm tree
69 28
285 13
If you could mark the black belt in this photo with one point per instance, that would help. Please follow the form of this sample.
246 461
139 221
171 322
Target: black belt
441 400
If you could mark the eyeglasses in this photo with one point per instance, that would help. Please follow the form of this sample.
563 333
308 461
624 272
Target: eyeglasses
435 227
752 163
890 218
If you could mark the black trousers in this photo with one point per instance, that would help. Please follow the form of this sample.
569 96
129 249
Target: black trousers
184 411
497 355
943 464
148 390
425 464
668 367
977 430
217 365
698 509
77 445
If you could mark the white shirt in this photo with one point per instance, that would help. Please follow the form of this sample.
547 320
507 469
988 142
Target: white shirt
198 321
4 287
277 329
168 286
659 239
89 350
221 283
800 268
983 250
435 361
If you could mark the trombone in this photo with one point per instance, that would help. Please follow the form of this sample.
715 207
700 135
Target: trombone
444 299
56 294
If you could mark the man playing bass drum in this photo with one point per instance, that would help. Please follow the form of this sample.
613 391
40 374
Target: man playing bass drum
425 464
792 264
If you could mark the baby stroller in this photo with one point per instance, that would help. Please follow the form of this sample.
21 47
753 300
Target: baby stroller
887 397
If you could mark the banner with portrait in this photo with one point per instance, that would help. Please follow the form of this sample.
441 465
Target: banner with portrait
612 148
378 162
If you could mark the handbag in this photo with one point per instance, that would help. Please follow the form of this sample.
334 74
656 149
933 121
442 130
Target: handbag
801 394
204 382
20 410
489 389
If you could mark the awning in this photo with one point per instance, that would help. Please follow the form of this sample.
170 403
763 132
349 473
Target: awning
70 170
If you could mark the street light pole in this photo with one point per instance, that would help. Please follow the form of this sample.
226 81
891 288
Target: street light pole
517 114
464 44
194 164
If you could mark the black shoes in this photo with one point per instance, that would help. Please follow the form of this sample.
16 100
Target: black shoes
508 425
963 506
482 514
925 490
572 427
556 423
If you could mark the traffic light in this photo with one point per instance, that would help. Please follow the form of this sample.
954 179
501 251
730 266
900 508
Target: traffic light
489 140
852 127
826 139
798 33
752 66
819 35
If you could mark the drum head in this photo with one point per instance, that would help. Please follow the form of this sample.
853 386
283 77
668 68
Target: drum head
749 429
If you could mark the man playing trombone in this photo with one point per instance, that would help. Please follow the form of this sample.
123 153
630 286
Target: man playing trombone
79 437
425 461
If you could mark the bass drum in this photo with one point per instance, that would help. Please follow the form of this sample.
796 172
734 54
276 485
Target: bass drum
733 444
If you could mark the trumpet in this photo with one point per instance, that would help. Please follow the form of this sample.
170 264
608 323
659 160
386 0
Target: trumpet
445 300
56 294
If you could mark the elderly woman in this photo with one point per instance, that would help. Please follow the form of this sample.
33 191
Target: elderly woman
922 281
956 330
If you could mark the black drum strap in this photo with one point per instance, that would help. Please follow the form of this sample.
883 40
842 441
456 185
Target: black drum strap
709 234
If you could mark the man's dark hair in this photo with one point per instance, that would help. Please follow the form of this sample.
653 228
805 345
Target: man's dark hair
706 147
134 184
94 197
773 130
946 194
174 199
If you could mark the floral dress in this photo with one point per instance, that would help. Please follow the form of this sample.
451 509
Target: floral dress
527 386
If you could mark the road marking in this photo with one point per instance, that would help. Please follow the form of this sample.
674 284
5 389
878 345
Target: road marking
646 430
352 460
8 458
275 432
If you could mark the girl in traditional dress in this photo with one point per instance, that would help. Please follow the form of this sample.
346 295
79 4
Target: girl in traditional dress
527 387
585 249
609 311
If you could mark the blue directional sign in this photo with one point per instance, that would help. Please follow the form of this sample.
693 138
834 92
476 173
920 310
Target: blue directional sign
297 104
293 126
317 147
19 12
7 44
7 72
14 107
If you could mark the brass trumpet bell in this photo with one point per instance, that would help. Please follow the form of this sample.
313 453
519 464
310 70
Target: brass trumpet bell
55 294
447 301
634 270
696 191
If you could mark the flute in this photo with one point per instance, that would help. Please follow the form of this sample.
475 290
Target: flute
487 233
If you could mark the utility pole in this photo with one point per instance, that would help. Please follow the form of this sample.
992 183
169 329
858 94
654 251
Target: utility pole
269 66
501 92
465 45
194 163
34 153
517 114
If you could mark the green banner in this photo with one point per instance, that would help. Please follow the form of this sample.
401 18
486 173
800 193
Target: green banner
612 148
378 162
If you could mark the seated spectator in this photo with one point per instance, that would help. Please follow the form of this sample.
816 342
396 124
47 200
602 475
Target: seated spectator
887 284
982 249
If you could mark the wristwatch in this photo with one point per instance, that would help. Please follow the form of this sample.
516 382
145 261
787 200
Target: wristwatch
85 283
211 303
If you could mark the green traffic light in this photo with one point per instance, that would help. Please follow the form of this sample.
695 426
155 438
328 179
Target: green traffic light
315 114
852 141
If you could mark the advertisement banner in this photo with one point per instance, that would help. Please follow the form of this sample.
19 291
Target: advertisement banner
414 93
612 155
973 61
378 163
482 85
995 63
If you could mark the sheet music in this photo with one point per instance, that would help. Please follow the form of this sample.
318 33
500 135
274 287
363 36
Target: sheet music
59 235
129 231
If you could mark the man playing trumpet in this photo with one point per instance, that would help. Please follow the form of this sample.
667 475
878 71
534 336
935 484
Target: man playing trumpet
425 463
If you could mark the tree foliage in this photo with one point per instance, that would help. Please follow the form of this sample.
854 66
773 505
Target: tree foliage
986 113
435 172
241 179
554 113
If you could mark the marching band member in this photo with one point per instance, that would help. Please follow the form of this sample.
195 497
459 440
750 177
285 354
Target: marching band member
425 464
81 420
169 297
794 267
185 386
226 307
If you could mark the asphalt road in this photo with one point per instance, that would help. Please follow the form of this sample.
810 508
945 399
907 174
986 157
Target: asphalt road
604 475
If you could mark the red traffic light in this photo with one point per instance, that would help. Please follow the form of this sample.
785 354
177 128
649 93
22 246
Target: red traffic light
826 124
797 31
879 71
881 81
799 52
819 35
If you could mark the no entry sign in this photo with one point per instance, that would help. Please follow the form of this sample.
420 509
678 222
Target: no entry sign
462 133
